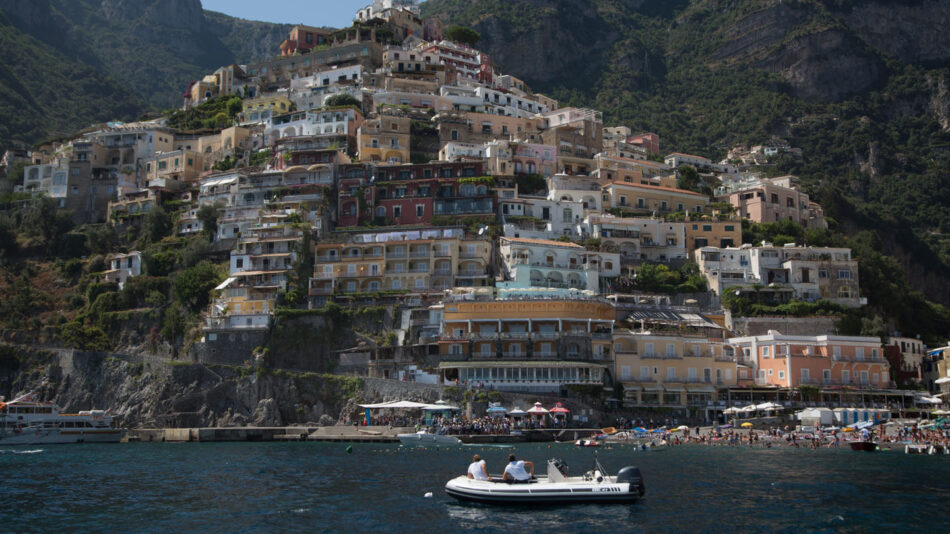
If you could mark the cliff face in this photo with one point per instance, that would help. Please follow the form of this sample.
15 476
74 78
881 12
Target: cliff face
67 63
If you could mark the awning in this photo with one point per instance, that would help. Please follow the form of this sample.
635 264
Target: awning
700 389
673 387
633 387
652 388
226 283
226 180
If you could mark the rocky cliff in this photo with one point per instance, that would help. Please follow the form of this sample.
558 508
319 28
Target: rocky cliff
152 392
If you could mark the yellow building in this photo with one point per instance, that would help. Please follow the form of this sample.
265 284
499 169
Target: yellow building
638 198
173 170
418 261
671 368
385 138
526 344
263 107
712 234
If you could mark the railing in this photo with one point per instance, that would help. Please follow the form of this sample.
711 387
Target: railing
471 274
442 272
419 269
324 276
395 255
419 253
327 259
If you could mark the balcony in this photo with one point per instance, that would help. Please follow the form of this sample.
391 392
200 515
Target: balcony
327 259
424 269
324 276
396 254
419 253
442 272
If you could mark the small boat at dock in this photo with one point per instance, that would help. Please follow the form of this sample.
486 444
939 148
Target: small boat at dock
423 438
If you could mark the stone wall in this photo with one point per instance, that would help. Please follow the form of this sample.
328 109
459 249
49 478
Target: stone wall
794 326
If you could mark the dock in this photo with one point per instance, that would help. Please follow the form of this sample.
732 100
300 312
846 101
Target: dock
336 433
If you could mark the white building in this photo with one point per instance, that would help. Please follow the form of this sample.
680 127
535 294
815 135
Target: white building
542 263
123 266
808 273
540 218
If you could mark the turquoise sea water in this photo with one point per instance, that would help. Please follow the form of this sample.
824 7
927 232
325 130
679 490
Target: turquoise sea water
319 487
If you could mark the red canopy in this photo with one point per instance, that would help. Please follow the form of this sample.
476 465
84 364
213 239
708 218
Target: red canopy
559 408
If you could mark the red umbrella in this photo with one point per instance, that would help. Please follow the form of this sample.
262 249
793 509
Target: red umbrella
559 408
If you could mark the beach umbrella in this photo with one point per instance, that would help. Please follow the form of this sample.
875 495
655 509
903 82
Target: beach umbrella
746 425
537 409
497 408
517 412
682 427
559 409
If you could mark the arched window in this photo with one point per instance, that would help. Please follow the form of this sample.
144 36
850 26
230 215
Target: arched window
381 211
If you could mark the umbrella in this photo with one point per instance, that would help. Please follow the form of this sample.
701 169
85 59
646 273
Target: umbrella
537 409
746 425
682 427
517 412
559 408
640 430
497 409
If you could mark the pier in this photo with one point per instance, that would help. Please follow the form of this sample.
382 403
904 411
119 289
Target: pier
338 433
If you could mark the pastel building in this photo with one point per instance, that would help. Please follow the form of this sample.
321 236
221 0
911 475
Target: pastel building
804 273
541 218
384 138
541 263
506 158
772 199
790 361
638 240
671 368
526 344
415 261
122 267
638 198
262 108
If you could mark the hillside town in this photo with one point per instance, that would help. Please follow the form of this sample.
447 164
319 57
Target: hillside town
516 243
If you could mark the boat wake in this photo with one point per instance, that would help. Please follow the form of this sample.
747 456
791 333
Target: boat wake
31 451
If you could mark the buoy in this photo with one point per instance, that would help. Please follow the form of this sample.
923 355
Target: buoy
428 495
349 449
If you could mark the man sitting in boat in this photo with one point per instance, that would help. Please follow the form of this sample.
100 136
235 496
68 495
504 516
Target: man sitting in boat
516 470
477 469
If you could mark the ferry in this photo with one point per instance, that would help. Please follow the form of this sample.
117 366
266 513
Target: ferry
26 421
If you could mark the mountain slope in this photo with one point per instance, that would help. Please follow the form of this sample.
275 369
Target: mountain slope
71 62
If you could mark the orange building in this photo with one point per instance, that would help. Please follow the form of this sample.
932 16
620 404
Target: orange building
526 344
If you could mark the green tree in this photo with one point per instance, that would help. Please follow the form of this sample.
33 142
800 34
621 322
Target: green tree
156 226
688 178
462 35
343 100
208 215
193 285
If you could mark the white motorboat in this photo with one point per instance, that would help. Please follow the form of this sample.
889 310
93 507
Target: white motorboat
24 421
423 438
594 486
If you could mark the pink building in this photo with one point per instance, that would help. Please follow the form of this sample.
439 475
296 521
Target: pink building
774 199
649 141
791 361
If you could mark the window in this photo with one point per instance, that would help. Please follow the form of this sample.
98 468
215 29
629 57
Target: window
806 374
826 376
420 210
859 354
670 350
624 372
648 349
844 274
774 198
397 212
239 263
644 372
707 228
836 351
781 375
730 228
822 273
765 352
671 373
845 376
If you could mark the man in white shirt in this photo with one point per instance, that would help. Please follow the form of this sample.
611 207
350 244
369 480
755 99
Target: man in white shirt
516 470
477 469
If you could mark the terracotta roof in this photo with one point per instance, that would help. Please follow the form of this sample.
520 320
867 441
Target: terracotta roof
547 242
659 188
687 155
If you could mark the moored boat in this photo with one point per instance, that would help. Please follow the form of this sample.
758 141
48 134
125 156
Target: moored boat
594 486
866 446
25 421
425 439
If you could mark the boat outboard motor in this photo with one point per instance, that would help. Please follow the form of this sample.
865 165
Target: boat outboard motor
560 465
632 475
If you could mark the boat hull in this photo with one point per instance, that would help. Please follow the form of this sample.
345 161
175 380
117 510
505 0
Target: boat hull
49 436
540 493
866 446
428 440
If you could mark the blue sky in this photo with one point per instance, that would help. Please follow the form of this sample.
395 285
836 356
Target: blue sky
333 13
